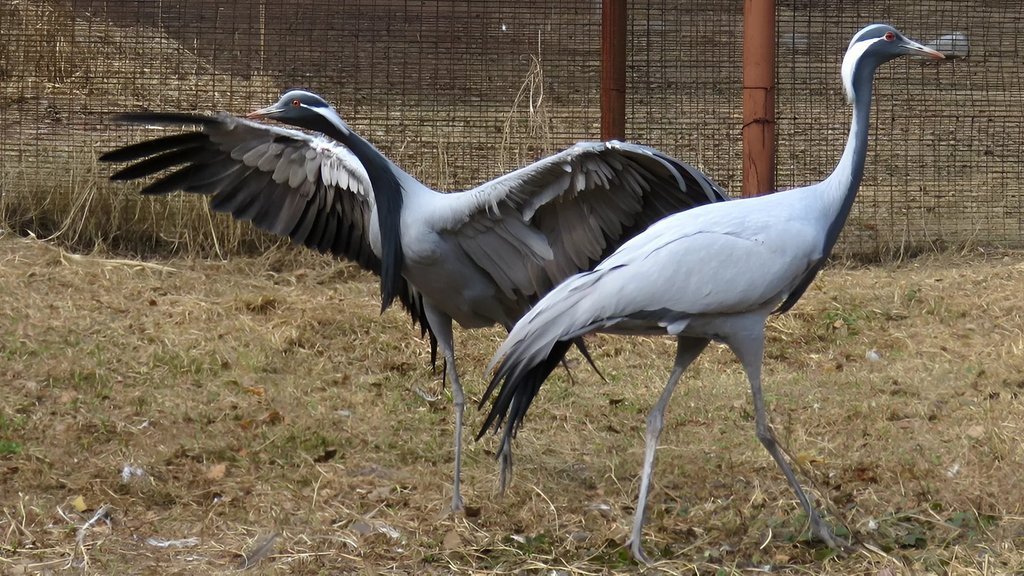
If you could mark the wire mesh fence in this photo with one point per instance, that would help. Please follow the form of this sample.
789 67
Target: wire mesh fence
685 83
457 92
944 164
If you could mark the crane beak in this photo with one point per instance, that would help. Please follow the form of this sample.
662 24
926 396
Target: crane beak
269 111
916 49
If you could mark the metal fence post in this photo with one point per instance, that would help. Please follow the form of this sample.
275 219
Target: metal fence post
758 97
613 70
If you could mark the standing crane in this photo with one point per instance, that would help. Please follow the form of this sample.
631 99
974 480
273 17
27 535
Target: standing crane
713 273
479 257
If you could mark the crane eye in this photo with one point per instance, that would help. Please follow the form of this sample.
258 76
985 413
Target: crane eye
889 36
296 103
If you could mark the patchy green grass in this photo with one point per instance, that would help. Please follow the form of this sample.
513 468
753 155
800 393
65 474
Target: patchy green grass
262 408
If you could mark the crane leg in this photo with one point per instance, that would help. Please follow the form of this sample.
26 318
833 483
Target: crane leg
687 351
441 324
749 348
505 452
504 463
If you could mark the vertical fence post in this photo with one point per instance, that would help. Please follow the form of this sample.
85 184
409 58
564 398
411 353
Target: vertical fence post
613 70
758 96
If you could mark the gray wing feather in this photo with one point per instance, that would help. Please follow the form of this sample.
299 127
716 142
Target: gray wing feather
572 209
309 188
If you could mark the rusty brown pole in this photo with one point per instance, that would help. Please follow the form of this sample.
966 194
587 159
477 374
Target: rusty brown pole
758 97
613 70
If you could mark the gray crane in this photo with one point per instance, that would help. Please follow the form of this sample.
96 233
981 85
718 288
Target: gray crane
480 257
713 273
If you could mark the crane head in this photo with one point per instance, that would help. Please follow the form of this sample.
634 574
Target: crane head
303 109
875 45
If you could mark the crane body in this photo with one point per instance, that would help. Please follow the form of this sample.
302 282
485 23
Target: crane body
714 273
478 257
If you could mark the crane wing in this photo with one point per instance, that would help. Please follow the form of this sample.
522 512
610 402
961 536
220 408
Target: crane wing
679 270
309 188
534 227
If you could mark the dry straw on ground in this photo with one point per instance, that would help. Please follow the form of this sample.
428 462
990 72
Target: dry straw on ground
211 405
187 416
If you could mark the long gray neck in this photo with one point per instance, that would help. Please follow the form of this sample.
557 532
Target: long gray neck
842 184
387 196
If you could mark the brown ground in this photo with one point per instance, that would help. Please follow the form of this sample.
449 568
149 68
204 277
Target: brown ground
266 396
219 406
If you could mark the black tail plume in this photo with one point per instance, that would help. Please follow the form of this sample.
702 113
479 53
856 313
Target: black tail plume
518 390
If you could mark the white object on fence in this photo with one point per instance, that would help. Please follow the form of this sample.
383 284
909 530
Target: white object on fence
953 45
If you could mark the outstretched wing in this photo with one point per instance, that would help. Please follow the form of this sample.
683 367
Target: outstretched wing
306 187
534 227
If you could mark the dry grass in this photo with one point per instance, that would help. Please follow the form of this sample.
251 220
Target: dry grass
526 133
950 182
186 416
86 64
260 412
76 204
83 70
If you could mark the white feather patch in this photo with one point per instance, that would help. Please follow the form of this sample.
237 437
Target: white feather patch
853 54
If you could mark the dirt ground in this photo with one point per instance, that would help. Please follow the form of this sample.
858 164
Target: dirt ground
189 416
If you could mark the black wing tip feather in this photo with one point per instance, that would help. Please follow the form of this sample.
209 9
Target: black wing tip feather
695 180
158 162
698 186
151 147
497 413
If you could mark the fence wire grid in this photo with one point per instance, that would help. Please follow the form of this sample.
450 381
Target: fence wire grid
461 91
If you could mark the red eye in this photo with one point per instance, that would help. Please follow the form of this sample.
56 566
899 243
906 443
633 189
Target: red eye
296 103
889 36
